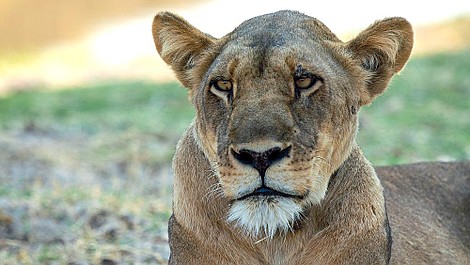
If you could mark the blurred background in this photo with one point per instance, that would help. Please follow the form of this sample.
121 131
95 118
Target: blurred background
90 115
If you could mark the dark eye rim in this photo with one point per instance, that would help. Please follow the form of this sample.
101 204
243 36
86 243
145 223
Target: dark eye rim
213 83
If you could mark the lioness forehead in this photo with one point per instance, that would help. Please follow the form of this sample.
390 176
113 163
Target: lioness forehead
282 39
280 28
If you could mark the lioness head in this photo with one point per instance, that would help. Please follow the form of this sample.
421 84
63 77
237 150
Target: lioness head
276 105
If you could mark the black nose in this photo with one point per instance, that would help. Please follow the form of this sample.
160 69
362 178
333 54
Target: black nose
261 160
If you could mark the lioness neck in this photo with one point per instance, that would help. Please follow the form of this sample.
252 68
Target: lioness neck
200 212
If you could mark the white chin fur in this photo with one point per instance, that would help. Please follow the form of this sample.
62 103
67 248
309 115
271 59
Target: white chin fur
264 217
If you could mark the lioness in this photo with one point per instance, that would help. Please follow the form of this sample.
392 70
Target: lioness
269 171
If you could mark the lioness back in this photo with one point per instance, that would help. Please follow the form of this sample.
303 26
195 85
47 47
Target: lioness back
429 211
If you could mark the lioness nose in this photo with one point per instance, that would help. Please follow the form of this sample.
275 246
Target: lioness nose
261 160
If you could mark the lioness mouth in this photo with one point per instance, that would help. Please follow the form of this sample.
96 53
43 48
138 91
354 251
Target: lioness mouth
266 191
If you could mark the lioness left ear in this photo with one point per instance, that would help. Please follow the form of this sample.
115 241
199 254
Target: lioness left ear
382 50
179 44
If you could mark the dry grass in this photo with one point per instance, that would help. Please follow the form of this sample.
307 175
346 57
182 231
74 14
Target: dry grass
58 205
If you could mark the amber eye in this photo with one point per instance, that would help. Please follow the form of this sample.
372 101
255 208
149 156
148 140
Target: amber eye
305 81
222 85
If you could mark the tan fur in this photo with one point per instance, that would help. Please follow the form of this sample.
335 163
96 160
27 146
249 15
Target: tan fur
322 202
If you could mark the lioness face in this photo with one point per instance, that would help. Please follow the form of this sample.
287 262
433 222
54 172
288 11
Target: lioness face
270 117
276 109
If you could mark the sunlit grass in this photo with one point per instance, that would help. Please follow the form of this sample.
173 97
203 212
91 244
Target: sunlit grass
424 115
110 106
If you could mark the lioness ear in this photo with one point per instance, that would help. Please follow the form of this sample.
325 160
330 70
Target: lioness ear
179 44
382 50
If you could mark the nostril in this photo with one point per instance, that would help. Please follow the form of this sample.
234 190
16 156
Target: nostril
276 154
244 156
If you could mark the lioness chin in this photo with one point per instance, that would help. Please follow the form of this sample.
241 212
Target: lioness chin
269 171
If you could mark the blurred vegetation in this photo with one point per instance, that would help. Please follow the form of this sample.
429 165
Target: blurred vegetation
424 115
85 173
110 107
121 121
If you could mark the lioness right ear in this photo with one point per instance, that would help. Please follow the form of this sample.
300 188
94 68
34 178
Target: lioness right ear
382 50
179 44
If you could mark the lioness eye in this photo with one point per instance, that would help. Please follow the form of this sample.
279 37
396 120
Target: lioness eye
222 88
304 82
222 85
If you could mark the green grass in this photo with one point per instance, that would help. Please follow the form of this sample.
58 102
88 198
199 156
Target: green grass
142 106
114 121
424 115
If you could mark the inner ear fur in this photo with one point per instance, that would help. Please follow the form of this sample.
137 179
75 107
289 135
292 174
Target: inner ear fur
382 50
179 44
